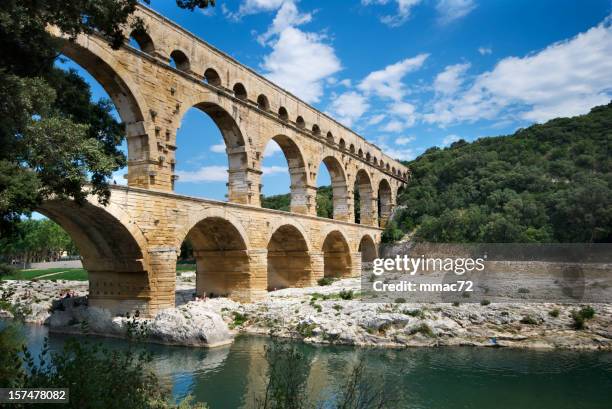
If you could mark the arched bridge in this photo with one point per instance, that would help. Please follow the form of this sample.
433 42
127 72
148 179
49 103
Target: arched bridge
130 247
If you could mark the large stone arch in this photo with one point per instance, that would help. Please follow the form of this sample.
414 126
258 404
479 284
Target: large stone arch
367 248
301 202
342 207
385 202
367 198
114 252
104 67
222 259
240 174
289 263
336 255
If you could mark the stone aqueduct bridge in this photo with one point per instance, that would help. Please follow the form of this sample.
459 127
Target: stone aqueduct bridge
130 246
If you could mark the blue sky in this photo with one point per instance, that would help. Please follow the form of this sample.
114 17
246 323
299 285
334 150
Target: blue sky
405 74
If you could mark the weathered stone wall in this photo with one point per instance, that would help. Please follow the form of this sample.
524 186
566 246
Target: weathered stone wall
152 96
131 246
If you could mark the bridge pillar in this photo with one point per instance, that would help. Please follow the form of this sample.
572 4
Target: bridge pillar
355 264
318 266
369 211
120 292
244 186
304 199
343 202
237 274
162 261
386 209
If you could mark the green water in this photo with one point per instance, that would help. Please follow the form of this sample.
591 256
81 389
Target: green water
460 377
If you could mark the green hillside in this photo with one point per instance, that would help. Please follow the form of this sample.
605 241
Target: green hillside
547 183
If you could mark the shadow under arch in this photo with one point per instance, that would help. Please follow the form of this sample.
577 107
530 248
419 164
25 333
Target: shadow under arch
339 188
289 262
220 250
363 189
367 248
113 252
336 255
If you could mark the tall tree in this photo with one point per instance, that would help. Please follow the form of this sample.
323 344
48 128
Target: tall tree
54 140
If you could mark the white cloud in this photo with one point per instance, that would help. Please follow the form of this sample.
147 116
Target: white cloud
404 8
404 140
449 80
287 16
393 126
387 82
203 174
271 170
485 50
398 153
566 78
271 148
218 148
349 106
254 6
450 10
450 139
300 61
346 82
376 119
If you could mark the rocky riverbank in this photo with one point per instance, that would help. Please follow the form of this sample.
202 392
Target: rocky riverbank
331 314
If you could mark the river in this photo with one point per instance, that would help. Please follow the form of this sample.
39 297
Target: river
457 377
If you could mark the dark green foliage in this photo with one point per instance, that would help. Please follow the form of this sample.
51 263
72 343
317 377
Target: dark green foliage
97 377
7 269
485 302
554 312
54 139
346 294
529 320
325 281
545 183
36 240
276 202
325 202
581 316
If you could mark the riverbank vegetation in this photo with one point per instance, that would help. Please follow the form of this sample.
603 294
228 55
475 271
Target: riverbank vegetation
546 183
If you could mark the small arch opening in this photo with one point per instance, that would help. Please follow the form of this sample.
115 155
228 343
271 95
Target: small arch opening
240 91
212 77
360 153
300 122
368 156
140 40
316 130
282 114
342 144
179 60
263 103
352 148
330 137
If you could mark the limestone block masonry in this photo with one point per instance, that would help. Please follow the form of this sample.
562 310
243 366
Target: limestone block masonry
130 246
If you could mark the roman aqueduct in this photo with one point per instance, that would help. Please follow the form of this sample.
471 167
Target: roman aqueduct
130 246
